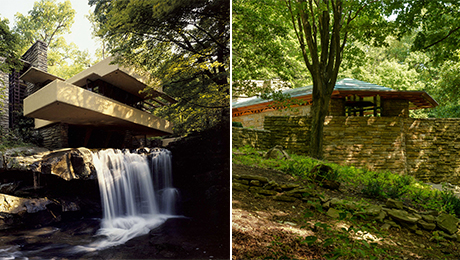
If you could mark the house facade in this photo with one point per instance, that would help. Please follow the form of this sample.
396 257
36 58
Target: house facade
350 98
102 106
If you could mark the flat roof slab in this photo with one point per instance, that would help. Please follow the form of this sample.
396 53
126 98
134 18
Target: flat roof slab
63 102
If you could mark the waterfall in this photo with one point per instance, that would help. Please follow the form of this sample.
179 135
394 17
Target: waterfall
136 193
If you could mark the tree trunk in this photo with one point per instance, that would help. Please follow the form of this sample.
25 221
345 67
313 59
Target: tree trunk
320 109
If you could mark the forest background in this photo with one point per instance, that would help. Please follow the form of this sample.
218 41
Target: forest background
415 47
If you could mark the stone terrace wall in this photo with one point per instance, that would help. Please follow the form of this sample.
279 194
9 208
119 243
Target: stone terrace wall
293 133
259 139
428 149
433 146
376 143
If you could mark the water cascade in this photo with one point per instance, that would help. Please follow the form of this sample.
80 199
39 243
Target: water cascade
136 193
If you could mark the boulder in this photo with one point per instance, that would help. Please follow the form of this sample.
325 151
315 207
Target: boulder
289 186
254 177
33 212
426 225
277 152
284 198
340 203
333 213
373 210
267 192
330 184
394 204
255 183
272 185
447 223
403 216
392 224
429 218
239 186
21 158
382 215
69 164
9 188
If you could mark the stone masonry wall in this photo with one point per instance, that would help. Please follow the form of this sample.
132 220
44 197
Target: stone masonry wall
376 143
37 56
4 107
433 146
257 120
259 139
428 149
293 133
55 136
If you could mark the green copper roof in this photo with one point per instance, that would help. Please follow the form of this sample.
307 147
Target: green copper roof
343 84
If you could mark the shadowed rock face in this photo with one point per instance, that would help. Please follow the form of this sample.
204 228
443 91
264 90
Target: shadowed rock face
39 187
68 164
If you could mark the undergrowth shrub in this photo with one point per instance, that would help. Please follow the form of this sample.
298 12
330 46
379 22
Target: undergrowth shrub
381 185
373 188
451 203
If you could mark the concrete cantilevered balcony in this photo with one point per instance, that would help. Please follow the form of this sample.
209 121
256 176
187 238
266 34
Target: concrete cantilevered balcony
61 101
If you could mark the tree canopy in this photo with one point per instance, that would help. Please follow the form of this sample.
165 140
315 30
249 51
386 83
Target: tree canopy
9 45
184 46
402 44
436 25
48 21
322 29
263 47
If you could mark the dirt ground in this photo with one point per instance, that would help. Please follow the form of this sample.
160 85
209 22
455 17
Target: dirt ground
263 228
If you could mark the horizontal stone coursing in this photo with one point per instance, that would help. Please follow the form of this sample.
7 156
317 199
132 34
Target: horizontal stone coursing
425 148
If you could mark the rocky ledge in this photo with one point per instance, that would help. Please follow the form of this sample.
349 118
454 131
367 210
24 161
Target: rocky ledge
39 187
392 215
68 164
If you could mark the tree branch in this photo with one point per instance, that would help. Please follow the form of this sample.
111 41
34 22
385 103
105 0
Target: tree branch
442 39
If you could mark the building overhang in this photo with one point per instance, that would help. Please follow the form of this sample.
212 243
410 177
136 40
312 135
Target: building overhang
61 101
35 75
417 100
120 77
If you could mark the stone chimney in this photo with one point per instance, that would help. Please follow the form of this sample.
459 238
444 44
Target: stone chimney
36 56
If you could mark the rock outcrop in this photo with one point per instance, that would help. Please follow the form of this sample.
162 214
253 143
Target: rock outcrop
393 214
68 164
40 186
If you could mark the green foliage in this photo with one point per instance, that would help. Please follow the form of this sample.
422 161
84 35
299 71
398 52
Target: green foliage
450 202
376 185
262 46
237 124
344 244
373 189
9 48
46 21
437 26
68 60
23 134
182 46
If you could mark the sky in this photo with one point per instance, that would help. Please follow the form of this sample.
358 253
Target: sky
81 28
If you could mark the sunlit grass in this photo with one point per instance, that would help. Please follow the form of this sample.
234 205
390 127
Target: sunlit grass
372 184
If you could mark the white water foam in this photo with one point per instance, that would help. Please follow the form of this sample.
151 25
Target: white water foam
135 197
